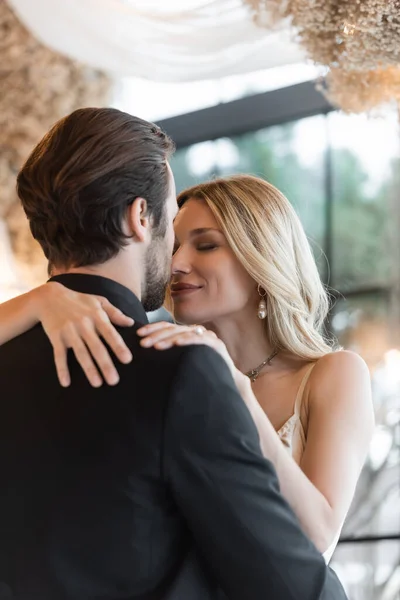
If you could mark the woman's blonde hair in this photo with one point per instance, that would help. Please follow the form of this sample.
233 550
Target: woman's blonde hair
266 236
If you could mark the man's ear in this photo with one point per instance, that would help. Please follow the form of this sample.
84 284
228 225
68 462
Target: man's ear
138 221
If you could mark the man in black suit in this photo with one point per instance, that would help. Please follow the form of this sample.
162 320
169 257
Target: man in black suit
157 488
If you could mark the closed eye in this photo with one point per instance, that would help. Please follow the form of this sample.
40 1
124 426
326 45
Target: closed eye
206 247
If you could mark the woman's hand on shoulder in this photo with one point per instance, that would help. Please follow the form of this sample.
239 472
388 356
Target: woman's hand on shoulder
163 335
81 321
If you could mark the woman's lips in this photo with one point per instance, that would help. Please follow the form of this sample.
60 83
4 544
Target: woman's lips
184 290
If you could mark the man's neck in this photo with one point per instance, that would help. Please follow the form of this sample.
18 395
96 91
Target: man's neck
117 269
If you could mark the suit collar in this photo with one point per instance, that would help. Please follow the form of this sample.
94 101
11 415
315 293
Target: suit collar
117 294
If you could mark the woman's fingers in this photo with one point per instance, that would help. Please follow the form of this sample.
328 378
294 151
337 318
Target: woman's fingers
86 346
113 338
60 358
151 328
74 341
100 354
185 339
115 315
193 338
86 324
163 333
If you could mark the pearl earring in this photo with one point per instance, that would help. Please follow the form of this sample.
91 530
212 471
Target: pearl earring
262 306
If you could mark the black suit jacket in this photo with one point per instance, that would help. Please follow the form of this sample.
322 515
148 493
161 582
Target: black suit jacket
155 489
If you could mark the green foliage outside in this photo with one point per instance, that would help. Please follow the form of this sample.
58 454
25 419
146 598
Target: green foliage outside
361 226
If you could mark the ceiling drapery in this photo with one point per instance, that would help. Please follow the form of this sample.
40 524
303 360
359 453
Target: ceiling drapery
171 41
190 40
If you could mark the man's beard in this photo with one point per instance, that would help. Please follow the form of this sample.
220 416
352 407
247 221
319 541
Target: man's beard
157 276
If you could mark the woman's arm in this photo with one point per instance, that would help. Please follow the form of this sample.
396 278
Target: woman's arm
70 320
20 314
340 427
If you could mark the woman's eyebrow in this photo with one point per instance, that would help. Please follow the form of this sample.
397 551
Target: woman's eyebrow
202 230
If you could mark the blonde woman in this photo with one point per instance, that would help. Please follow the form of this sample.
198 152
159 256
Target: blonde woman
243 272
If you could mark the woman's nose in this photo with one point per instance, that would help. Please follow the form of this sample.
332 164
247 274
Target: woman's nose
180 262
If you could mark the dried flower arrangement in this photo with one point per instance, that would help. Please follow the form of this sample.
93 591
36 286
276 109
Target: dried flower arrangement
358 40
38 86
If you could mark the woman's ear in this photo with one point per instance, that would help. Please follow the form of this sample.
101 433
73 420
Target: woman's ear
138 221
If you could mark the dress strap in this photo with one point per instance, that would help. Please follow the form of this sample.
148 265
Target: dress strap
300 393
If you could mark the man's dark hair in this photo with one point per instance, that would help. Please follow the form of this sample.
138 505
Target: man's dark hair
78 182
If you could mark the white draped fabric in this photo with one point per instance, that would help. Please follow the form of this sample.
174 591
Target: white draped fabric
159 40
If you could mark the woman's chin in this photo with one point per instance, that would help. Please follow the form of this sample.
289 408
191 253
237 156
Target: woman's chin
185 317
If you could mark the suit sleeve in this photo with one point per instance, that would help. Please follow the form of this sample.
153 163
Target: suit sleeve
229 494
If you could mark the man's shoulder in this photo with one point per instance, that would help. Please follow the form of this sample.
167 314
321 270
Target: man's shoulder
200 370
193 358
180 365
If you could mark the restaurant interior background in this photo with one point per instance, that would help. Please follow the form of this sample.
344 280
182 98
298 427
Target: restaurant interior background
263 113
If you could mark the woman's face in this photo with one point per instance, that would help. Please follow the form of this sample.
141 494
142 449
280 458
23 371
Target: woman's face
208 282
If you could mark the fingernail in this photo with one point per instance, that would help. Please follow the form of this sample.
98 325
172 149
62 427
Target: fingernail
97 382
141 331
126 358
113 379
65 382
146 342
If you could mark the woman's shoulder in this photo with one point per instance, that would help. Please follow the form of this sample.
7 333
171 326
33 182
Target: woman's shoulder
339 361
340 399
330 366
341 374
